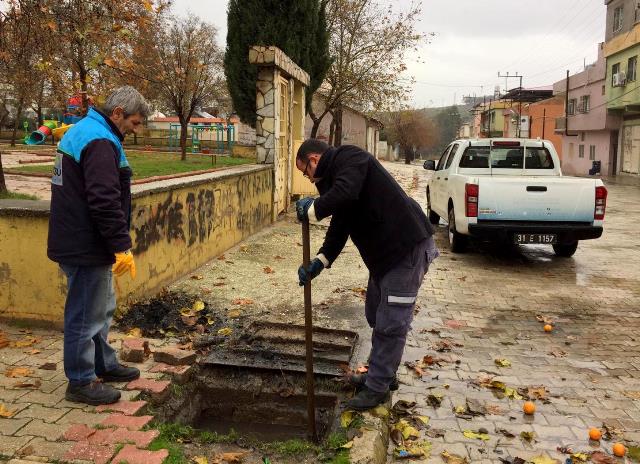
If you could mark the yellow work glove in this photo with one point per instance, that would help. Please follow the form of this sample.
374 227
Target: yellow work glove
124 262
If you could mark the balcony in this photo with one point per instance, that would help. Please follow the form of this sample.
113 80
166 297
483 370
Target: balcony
561 124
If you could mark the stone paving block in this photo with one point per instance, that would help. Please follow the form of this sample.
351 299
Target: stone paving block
136 437
132 455
99 454
41 448
174 356
39 428
134 350
128 422
78 416
129 408
47 414
79 432
9 426
158 389
179 374
44 399
9 446
11 394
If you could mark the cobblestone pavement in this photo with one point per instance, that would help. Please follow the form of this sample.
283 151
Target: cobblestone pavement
475 308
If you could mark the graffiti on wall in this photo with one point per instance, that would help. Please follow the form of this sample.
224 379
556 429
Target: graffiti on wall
192 218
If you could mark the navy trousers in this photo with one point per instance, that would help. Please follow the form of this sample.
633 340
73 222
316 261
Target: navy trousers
389 310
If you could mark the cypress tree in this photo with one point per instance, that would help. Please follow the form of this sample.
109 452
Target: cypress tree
297 27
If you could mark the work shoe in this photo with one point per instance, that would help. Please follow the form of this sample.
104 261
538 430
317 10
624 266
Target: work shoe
94 393
359 381
120 374
367 399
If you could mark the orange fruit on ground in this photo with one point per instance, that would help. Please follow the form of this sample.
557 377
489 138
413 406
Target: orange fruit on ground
619 450
529 408
595 434
548 328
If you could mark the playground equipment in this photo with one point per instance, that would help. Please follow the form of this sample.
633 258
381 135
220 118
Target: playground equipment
50 128
216 132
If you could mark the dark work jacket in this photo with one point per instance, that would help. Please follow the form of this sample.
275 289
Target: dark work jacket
367 204
90 195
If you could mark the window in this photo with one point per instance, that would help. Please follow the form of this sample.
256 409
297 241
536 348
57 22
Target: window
440 166
571 109
632 64
592 152
581 151
604 89
452 155
584 104
617 19
506 158
582 136
615 69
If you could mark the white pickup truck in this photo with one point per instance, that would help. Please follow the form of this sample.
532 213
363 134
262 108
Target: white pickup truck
513 190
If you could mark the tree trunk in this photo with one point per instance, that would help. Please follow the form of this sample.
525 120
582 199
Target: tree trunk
183 140
332 130
3 185
16 122
316 123
337 119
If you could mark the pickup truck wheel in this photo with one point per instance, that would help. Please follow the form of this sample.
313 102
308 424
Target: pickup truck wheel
457 242
566 251
434 218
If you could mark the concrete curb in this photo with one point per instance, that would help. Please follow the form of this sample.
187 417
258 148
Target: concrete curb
371 447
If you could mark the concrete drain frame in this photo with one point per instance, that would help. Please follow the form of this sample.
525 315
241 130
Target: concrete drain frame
255 384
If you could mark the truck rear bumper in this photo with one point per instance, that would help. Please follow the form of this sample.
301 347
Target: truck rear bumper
504 230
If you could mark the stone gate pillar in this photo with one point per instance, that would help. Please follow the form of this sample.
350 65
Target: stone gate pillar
280 108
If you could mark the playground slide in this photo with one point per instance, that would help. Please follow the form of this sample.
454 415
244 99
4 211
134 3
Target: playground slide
39 136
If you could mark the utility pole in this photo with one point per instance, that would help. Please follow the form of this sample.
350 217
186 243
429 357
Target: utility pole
517 76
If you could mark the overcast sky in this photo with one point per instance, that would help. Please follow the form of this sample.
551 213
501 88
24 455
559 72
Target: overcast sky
476 39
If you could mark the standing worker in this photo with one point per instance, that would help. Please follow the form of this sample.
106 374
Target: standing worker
393 237
89 238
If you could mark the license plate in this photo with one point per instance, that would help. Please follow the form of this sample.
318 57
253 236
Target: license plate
535 239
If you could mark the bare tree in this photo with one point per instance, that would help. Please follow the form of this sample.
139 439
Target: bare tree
411 130
187 67
368 45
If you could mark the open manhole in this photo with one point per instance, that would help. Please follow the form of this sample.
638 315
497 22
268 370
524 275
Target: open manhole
255 383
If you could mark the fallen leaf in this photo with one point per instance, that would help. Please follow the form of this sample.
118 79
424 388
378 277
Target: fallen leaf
233 458
18 372
423 419
380 411
435 400
396 436
414 449
234 313
407 430
197 277
453 458
28 341
4 412
189 321
200 460
219 284
35 383
278 257
512 393
581 457
544 319
242 301
229 262
362 369
225 331
609 432
346 418
32 352
268 270
50 366
528 436
198 306
506 433
221 258
134 333
435 433
503 362
476 435
544 460
347 445
187 312
512 460
634 395
415 367
403 407
558 354
598 457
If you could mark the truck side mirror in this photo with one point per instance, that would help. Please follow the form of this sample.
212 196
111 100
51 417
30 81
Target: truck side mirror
430 165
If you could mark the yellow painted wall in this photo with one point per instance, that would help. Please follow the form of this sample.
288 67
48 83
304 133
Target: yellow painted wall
174 231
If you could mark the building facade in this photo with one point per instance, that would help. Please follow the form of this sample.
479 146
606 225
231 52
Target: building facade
621 50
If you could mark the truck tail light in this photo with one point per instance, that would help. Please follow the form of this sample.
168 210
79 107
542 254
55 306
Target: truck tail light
471 192
601 203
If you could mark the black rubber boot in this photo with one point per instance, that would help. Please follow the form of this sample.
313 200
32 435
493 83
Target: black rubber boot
94 393
367 399
359 380
120 374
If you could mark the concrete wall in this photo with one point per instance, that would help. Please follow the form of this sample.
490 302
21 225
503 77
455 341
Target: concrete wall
543 120
177 226
629 94
354 125
573 165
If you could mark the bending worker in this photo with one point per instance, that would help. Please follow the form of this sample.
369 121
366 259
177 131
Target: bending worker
393 237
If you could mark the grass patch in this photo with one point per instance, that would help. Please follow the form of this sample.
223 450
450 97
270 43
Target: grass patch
150 164
207 437
292 447
176 454
16 196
